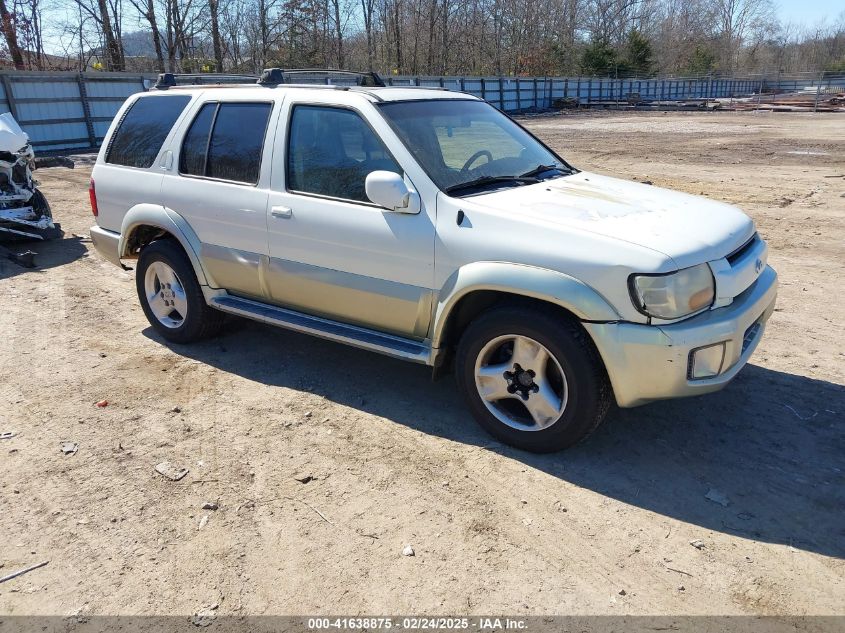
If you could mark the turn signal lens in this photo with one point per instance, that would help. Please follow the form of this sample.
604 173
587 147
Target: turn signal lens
706 362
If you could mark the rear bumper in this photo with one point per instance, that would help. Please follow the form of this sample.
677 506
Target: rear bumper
646 363
106 243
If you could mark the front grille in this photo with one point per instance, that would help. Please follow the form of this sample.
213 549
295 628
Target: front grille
742 250
750 335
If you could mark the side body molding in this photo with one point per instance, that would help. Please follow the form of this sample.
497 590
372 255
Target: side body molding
519 279
167 220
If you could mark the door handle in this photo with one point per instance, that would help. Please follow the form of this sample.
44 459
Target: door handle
281 212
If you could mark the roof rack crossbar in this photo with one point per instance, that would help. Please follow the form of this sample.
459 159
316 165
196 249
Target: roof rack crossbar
276 76
171 80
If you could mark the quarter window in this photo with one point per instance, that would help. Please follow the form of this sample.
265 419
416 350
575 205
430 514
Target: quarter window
225 141
331 151
142 131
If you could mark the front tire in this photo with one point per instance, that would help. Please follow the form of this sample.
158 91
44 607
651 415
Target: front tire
171 296
532 378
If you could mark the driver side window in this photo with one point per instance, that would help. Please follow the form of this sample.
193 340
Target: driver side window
331 151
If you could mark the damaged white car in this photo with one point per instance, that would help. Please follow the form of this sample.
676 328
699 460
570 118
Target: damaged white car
24 211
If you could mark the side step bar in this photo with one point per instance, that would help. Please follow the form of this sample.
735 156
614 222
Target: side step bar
364 338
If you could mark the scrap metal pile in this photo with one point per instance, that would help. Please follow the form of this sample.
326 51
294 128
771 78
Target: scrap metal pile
807 100
24 211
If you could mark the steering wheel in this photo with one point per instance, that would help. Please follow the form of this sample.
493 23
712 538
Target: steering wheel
475 157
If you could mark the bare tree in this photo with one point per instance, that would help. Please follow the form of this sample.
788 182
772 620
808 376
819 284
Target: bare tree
736 20
147 10
215 35
431 37
10 33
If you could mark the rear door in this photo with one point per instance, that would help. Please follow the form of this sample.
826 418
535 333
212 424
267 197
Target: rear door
218 181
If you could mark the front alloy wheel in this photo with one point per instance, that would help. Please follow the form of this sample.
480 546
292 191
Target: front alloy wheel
532 377
521 383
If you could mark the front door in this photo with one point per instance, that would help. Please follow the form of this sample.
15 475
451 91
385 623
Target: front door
333 253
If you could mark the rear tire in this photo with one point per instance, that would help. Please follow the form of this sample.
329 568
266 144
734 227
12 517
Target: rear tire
171 296
532 379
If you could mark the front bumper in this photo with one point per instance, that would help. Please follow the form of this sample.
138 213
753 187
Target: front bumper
649 362
106 242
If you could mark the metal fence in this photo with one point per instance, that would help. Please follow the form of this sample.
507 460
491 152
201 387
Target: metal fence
61 110
520 94
66 110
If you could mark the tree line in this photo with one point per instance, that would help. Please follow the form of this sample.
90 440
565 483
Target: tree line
420 37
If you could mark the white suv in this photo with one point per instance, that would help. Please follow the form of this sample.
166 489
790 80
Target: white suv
427 225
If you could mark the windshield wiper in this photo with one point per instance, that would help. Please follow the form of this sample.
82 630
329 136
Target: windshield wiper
489 180
541 169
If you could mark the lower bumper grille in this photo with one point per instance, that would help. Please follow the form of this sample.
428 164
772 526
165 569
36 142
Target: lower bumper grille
750 334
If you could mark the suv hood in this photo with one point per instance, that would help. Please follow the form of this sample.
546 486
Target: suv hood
688 229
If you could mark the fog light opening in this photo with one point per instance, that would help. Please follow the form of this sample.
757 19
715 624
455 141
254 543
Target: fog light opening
706 362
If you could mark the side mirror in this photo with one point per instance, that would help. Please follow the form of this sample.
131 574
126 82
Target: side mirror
388 189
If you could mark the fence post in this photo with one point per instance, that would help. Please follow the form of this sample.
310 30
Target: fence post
86 109
818 90
502 94
10 98
535 94
483 89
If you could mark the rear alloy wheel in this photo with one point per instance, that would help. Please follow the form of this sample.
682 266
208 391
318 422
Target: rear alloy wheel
171 296
532 378
165 295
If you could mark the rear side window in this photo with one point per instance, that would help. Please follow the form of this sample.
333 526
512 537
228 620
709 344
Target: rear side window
225 141
142 131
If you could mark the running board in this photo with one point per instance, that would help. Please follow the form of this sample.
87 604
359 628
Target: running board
364 338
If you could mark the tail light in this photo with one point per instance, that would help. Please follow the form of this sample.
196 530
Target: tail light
92 195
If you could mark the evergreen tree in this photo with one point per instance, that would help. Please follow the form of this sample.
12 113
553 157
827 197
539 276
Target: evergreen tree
638 55
599 58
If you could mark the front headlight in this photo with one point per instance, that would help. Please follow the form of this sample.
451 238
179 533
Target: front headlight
674 295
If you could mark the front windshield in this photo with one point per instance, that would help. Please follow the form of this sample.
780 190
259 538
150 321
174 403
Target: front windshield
467 146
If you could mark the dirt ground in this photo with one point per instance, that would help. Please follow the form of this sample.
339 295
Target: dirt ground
396 459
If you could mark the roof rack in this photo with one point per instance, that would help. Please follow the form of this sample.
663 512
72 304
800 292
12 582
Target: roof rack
275 76
328 76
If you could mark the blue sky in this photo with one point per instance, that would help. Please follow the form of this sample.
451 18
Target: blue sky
809 11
